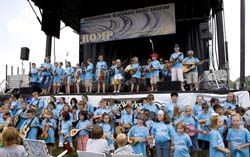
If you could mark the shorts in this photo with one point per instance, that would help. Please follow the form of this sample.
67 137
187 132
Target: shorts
116 82
154 79
88 83
191 77
57 84
135 80
177 74
77 80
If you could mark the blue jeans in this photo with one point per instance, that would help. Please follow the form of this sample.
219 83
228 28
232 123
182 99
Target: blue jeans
162 149
45 81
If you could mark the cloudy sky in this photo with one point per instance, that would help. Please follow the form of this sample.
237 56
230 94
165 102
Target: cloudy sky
20 28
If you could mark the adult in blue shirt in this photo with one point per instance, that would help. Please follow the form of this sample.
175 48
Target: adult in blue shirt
191 73
176 60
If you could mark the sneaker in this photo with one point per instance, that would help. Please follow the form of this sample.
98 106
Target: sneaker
60 144
118 91
114 91
182 89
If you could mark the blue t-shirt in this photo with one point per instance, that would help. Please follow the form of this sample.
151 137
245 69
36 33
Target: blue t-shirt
191 59
206 117
139 133
216 141
108 132
197 109
173 56
182 142
228 105
33 131
162 132
169 108
90 72
51 131
147 73
58 77
137 74
150 107
238 138
82 124
156 65
49 69
99 66
34 75
126 118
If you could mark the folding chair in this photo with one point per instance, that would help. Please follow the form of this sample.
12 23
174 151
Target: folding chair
90 154
38 148
124 155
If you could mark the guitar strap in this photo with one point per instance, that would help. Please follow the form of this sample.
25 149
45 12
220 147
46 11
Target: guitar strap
30 125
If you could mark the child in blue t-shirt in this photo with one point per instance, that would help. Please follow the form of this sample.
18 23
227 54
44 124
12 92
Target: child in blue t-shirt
65 126
83 124
162 131
140 133
108 130
238 138
181 141
217 147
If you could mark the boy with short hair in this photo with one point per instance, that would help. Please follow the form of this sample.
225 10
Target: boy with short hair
124 148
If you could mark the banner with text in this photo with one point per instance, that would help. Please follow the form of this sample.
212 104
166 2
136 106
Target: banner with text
142 22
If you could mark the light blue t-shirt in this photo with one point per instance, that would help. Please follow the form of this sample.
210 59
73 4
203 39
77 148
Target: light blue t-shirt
156 65
90 72
150 107
216 141
137 74
147 73
227 105
59 76
126 118
207 117
34 75
48 66
173 56
82 124
139 133
99 66
191 59
238 138
169 108
33 131
51 131
162 132
197 109
182 142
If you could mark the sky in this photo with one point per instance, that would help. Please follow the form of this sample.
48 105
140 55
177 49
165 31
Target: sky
20 28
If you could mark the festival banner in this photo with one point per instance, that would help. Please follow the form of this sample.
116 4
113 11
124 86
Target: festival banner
161 99
142 22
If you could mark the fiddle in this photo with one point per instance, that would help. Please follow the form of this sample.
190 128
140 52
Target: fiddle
45 130
102 76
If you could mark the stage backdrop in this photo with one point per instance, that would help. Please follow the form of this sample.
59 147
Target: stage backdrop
160 99
143 22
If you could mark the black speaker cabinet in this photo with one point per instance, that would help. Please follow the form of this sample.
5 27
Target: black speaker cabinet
25 51
205 31
169 86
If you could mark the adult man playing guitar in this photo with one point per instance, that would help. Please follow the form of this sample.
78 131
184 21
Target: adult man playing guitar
176 60
191 74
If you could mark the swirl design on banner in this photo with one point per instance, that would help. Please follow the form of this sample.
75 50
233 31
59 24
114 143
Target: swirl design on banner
132 24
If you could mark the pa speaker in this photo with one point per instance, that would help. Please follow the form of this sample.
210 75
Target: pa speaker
51 23
205 31
25 51
169 86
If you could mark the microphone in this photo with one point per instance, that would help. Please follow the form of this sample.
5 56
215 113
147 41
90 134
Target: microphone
150 40
152 44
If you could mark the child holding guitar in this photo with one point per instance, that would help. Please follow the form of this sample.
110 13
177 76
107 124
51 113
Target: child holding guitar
192 128
137 136
82 125
30 126
48 127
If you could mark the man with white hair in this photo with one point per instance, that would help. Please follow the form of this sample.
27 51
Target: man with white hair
191 72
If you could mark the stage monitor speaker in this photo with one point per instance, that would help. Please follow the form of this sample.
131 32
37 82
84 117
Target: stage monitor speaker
169 86
205 31
25 51
51 23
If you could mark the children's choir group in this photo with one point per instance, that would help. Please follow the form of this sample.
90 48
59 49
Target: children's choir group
221 127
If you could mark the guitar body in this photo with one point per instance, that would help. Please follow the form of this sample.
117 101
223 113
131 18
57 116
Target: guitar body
25 131
132 71
188 67
16 120
136 140
191 131
74 132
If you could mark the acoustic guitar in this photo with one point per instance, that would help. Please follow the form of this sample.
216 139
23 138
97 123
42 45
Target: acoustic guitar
188 66
191 131
26 129
136 140
74 132
173 62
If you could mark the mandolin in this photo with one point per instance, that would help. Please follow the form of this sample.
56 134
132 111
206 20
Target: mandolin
136 140
74 132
